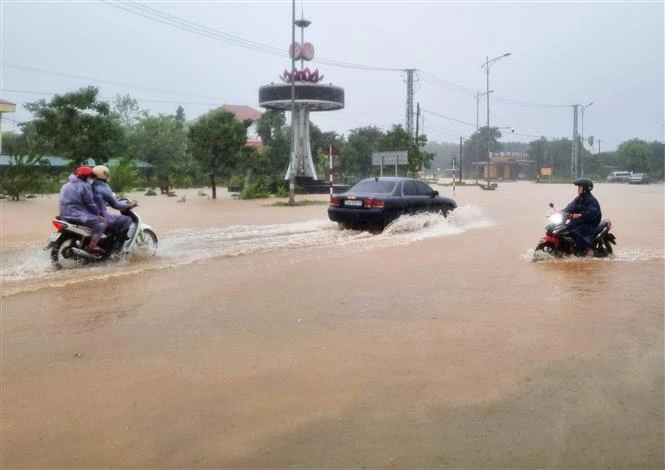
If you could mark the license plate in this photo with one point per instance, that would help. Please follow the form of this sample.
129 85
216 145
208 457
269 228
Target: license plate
54 236
353 203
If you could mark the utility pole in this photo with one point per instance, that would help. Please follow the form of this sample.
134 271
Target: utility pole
460 158
486 66
292 175
409 100
477 136
477 98
417 118
582 139
574 159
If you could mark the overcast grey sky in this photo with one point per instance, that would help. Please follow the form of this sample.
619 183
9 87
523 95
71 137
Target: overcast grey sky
562 53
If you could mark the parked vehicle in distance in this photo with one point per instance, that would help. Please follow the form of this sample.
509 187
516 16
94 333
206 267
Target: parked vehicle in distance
375 202
639 178
619 176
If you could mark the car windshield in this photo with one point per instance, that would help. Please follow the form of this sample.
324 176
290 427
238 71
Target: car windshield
373 187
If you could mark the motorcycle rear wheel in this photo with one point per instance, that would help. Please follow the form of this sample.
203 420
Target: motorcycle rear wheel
61 253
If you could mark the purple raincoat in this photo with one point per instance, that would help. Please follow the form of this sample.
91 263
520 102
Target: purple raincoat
103 194
77 204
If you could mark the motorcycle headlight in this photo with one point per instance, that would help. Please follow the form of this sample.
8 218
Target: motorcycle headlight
556 218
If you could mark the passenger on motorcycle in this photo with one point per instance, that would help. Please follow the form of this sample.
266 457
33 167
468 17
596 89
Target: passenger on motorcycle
77 205
103 194
585 213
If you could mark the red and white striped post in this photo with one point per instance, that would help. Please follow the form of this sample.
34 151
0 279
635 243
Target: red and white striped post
330 169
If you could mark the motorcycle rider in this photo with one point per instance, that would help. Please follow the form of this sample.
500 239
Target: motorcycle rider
77 205
103 194
585 213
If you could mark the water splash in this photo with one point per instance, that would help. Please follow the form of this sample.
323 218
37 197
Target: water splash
620 254
31 269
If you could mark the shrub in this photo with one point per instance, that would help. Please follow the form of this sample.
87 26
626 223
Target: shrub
282 191
151 192
124 175
21 177
254 191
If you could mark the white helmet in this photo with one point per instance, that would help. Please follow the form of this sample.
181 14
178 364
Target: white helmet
101 172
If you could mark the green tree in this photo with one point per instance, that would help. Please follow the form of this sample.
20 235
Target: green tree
399 139
356 155
180 117
555 154
124 175
76 125
127 109
657 159
159 141
22 176
320 143
636 155
276 138
11 141
216 140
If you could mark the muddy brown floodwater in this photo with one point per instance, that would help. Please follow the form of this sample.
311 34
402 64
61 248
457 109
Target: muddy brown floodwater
263 337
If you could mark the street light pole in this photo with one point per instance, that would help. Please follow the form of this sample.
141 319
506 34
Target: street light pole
582 154
477 98
487 65
292 173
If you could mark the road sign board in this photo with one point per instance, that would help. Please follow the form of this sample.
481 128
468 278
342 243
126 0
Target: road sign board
399 157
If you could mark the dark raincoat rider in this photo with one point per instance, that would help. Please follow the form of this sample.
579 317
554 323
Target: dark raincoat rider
585 213
77 205
103 195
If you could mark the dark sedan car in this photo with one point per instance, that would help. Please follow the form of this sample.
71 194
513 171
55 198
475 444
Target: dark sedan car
375 202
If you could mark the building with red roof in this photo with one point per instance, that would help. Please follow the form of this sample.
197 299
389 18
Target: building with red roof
244 113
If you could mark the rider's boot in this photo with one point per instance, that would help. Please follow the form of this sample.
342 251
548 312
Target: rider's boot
92 246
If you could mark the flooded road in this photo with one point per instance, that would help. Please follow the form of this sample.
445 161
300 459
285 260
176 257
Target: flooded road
264 337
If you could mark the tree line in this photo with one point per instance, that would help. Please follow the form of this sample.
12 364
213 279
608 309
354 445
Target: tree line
210 149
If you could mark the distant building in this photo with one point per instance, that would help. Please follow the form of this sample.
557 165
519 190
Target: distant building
5 107
508 165
243 113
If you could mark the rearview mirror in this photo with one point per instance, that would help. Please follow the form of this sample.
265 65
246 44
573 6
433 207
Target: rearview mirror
435 193
551 205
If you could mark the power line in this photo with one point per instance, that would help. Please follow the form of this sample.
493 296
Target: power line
146 100
443 83
440 82
528 105
79 77
448 117
197 28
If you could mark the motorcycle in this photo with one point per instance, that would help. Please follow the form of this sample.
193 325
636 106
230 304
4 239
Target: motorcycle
559 242
68 243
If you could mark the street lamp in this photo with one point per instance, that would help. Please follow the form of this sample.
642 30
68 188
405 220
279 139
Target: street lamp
582 156
486 66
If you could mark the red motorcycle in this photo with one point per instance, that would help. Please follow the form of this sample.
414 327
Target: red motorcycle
558 240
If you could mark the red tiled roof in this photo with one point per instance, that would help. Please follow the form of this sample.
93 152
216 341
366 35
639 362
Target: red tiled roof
242 112
255 143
